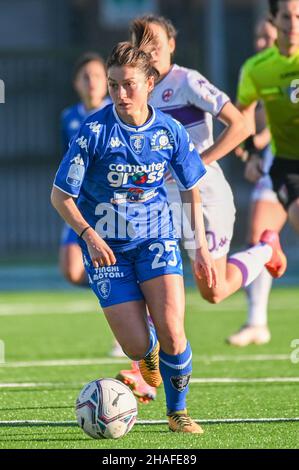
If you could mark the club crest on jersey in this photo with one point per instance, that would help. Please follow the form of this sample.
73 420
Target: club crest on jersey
104 288
137 143
167 94
162 140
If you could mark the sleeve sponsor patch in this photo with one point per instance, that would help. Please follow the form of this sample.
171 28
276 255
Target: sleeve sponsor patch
75 175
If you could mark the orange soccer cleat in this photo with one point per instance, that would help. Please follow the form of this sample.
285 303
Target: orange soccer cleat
149 367
179 421
134 380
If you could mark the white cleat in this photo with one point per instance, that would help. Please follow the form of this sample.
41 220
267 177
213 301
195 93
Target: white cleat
250 335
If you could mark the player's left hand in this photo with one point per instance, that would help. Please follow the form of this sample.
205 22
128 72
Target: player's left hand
204 267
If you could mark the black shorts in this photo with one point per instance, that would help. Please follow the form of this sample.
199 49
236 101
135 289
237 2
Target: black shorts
285 178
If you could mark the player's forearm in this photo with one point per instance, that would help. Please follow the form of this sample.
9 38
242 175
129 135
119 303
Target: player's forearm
193 209
262 139
67 209
228 140
248 113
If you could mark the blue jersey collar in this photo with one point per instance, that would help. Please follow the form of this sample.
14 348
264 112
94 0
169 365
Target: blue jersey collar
127 127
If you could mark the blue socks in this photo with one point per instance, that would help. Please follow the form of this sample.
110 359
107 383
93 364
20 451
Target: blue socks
176 372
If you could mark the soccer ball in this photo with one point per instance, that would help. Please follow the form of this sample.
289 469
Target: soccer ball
106 408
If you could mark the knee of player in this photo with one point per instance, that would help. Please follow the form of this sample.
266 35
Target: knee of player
254 238
173 342
213 296
135 353
73 276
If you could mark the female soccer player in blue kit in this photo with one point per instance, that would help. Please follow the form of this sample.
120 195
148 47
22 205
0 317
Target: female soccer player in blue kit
89 81
115 167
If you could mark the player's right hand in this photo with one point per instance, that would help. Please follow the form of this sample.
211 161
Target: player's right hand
99 252
241 153
204 267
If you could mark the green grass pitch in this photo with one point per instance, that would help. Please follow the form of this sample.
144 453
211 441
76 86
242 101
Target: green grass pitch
57 341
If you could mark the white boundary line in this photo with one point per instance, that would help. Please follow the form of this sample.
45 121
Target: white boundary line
206 380
236 358
229 380
103 361
28 309
162 421
86 307
66 362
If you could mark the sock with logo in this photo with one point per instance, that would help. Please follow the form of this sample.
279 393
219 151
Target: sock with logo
176 372
252 261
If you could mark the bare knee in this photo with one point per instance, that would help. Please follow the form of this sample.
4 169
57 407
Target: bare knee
74 276
254 238
213 296
71 265
135 352
173 342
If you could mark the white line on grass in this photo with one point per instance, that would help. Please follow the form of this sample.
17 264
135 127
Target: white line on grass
70 308
229 380
88 307
39 384
207 380
103 361
253 357
238 306
66 362
149 422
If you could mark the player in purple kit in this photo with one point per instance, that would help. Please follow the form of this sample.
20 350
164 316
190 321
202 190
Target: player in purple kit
191 99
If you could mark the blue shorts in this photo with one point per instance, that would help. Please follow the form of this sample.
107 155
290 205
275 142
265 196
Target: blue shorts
120 283
68 236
